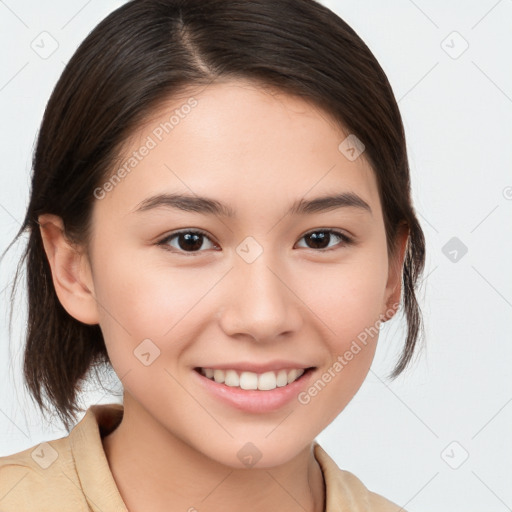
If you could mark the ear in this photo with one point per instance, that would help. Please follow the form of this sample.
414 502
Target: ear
394 284
71 271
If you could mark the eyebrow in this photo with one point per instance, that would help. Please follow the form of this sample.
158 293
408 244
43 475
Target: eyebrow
206 205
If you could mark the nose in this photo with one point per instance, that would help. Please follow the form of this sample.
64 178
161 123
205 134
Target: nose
259 302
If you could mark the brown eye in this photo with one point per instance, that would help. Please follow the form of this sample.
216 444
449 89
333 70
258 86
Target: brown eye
185 241
320 239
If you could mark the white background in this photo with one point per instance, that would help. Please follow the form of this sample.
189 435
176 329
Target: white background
405 439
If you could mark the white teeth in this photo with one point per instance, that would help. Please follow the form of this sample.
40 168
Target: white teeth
282 378
218 375
232 378
267 381
250 380
292 375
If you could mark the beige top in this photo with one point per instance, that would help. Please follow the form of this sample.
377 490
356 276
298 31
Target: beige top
71 474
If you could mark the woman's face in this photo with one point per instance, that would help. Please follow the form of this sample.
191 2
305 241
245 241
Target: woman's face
262 288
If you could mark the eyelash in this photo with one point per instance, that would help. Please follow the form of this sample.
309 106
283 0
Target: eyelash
345 239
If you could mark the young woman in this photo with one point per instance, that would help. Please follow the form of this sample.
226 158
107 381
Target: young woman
221 211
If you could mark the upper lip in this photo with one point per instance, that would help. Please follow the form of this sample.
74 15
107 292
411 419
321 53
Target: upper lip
271 366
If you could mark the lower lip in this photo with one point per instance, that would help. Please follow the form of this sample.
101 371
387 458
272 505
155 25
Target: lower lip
255 400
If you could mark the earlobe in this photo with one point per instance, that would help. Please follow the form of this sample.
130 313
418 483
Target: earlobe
70 271
394 285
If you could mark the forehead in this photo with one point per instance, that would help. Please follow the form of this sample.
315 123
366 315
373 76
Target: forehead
241 143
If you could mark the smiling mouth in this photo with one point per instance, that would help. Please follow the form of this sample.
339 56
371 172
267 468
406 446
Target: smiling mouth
266 381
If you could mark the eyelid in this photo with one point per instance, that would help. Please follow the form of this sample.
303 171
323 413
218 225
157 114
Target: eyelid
346 239
167 238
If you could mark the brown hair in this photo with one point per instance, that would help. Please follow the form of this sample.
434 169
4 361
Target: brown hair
147 51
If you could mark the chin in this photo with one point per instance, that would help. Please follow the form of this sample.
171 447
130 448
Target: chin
257 454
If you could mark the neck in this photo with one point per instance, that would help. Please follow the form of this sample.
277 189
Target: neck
152 469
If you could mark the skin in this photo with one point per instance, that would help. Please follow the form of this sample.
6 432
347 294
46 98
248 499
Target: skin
176 442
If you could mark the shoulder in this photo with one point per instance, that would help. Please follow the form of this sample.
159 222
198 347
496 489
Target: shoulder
346 490
70 473
372 501
39 477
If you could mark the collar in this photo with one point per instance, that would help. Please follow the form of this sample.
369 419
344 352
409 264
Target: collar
342 488
96 479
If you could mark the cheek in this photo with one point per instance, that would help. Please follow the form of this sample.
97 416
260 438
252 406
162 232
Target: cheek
151 297
337 384
142 299
346 297
348 305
